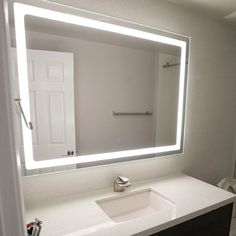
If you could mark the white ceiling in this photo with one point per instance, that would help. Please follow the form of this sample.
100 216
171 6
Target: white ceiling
222 9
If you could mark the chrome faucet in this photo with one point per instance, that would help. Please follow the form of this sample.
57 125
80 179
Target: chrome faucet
120 183
34 228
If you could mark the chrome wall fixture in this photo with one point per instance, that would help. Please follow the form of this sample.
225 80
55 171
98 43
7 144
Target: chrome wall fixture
168 64
147 113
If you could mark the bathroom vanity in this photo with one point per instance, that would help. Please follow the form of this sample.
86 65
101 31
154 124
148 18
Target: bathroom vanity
216 222
174 205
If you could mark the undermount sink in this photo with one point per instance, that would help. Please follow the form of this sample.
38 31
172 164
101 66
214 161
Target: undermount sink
128 206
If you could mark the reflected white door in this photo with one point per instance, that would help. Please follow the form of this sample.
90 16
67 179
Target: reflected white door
51 84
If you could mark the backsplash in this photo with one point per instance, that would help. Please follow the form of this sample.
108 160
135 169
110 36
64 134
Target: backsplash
55 185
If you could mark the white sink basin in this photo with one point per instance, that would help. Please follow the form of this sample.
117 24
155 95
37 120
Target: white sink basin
128 206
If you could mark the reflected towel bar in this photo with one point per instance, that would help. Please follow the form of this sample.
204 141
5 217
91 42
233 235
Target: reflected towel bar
28 124
167 65
147 113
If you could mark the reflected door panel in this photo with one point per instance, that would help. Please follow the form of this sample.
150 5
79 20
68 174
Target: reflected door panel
51 85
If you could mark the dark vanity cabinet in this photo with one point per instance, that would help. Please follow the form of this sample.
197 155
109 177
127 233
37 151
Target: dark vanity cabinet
213 223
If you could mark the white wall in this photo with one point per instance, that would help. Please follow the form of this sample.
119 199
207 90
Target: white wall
211 110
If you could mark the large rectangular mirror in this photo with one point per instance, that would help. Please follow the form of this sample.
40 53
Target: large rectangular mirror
92 92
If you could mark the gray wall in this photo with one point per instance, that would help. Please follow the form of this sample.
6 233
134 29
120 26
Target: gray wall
211 111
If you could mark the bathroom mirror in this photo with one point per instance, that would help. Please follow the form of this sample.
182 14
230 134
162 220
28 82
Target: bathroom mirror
96 91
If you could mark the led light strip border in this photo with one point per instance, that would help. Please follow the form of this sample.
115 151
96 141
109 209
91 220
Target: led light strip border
20 11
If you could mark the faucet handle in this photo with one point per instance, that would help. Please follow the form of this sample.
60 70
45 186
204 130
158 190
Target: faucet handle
122 179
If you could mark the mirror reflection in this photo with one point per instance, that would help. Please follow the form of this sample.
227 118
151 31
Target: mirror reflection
93 91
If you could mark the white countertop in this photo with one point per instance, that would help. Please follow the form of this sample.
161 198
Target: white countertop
80 215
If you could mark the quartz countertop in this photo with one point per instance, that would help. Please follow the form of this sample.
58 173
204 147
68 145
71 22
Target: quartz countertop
80 215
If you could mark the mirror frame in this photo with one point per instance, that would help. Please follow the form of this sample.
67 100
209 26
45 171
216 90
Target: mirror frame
20 11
